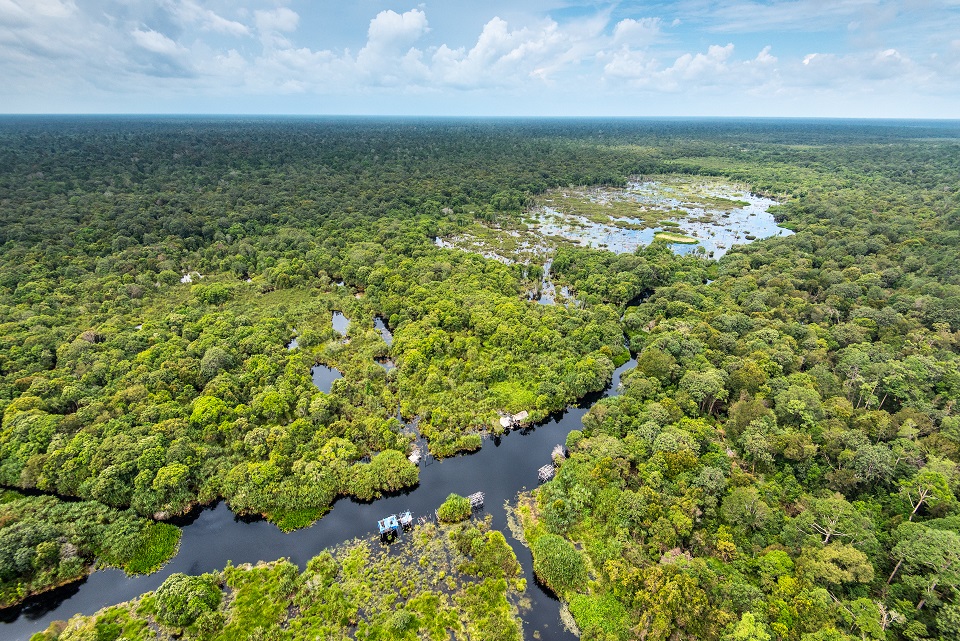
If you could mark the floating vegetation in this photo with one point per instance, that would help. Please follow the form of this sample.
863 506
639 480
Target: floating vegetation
675 238
443 582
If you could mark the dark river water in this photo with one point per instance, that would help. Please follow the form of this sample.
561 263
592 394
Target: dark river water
213 535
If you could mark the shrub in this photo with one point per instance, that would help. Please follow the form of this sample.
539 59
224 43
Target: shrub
558 564
455 508
182 599
600 616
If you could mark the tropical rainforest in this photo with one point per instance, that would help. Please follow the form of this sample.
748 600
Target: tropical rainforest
781 464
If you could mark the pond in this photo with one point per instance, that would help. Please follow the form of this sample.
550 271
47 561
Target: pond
548 291
341 323
213 535
324 376
385 332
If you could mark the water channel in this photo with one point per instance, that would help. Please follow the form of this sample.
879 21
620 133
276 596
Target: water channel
213 535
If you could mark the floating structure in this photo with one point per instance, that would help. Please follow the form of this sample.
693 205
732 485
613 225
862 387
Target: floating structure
393 526
510 421
389 526
546 473
476 500
414 455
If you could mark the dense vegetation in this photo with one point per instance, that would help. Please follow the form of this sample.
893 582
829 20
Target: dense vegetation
46 542
782 463
442 583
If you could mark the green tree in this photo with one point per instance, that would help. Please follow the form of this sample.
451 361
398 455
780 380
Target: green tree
748 628
182 599
455 508
558 564
930 557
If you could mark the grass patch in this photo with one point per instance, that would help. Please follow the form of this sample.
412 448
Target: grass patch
290 520
600 616
450 582
455 508
670 237
9 496
261 596
159 544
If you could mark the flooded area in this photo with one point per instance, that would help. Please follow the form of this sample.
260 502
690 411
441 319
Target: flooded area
385 332
548 293
701 215
710 217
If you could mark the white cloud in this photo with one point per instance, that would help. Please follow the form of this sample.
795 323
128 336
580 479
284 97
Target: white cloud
389 57
52 51
764 57
52 8
392 29
281 20
503 56
637 32
693 66
191 13
873 69
693 73
156 42
21 12
630 64
749 16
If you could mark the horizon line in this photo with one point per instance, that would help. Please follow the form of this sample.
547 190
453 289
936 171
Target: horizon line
466 116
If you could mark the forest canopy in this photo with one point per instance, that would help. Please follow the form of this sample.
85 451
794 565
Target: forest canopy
782 462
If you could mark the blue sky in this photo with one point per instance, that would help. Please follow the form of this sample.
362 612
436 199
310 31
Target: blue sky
834 58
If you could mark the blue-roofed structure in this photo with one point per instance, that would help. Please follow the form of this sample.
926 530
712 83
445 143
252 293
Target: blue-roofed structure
389 524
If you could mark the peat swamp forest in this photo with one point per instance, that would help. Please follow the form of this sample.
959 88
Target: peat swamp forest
291 317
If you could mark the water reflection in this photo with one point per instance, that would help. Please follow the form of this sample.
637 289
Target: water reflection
716 228
384 330
213 535
324 376
341 323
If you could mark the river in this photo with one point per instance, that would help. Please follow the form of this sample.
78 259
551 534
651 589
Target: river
214 535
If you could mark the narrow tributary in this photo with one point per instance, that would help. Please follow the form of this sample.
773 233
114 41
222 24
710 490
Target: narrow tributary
214 535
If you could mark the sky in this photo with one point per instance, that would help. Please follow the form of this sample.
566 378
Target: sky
776 58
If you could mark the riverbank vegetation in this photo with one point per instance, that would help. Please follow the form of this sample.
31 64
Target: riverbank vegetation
458 582
816 374
45 542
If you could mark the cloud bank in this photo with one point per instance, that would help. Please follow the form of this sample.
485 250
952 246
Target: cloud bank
783 57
